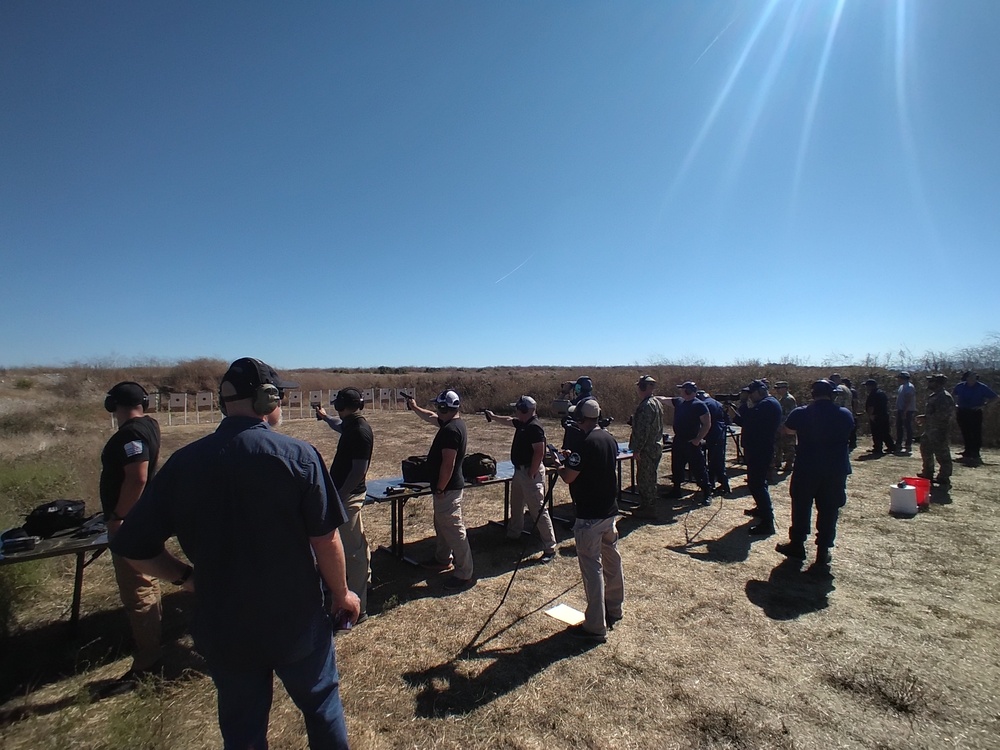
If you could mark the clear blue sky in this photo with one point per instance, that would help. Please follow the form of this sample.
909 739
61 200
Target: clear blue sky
485 183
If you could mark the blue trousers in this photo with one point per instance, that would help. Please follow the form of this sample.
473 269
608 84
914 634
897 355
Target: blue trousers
829 493
312 683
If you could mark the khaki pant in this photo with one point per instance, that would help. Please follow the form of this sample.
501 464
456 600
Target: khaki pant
140 596
528 489
357 553
601 568
452 542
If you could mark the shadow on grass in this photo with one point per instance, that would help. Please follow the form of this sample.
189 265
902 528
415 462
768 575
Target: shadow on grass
731 547
35 658
452 689
789 593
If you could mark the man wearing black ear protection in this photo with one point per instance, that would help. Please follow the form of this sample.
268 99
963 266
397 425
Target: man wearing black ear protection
348 471
257 514
128 462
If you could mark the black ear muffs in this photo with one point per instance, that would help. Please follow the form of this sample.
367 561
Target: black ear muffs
110 404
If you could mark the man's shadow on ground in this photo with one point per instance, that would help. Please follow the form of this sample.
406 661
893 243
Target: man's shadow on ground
731 547
449 690
37 657
789 592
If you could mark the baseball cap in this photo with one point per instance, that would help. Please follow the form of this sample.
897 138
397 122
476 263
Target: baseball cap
904 375
870 381
525 403
757 385
447 398
349 397
588 409
688 385
246 375
823 388
781 384
646 379
937 377
127 394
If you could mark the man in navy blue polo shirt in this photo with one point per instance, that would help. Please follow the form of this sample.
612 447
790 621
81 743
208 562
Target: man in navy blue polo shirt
257 514
971 397
822 465
760 418
692 423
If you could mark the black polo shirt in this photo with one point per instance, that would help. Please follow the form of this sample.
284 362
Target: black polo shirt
687 418
137 440
355 444
595 490
452 435
526 436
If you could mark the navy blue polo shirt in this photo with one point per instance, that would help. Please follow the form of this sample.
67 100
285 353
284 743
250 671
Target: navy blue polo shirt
823 433
687 418
760 424
243 503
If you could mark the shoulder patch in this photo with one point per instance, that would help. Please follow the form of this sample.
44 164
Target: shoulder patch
573 461
134 448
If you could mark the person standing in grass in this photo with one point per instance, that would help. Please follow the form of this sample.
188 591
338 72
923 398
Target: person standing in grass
906 409
784 446
452 551
592 476
128 463
527 487
822 465
715 444
877 409
936 421
692 423
760 418
646 444
971 398
348 471
257 514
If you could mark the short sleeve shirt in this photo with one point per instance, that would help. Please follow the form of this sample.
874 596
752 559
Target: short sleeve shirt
526 436
451 434
687 418
356 444
595 490
137 440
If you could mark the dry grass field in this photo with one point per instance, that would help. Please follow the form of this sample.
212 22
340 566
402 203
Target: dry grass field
722 644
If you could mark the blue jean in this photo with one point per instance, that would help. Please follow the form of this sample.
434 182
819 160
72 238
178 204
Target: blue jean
312 683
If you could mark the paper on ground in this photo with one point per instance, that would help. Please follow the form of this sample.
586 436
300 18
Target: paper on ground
566 614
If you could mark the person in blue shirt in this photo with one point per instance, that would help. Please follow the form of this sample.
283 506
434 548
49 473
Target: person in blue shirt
971 397
692 423
257 514
760 418
819 475
715 444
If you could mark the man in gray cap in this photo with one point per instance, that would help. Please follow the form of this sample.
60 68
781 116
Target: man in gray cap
527 487
906 410
646 444
936 421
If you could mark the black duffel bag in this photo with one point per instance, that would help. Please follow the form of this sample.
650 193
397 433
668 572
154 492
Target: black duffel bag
477 465
55 516
416 469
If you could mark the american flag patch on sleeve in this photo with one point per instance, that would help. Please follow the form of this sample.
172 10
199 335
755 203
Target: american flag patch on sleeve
135 448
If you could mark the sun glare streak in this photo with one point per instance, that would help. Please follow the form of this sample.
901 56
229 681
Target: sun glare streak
905 128
720 100
814 98
763 90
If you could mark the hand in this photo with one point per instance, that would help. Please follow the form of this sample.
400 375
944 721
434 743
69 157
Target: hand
695 442
320 412
409 401
350 605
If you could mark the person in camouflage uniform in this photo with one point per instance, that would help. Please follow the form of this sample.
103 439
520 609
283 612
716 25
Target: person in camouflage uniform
784 445
936 421
646 444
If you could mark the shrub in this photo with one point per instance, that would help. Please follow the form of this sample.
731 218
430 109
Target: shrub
24 384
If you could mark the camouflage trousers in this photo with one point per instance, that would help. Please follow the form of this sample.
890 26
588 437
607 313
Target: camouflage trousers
647 467
935 446
784 451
